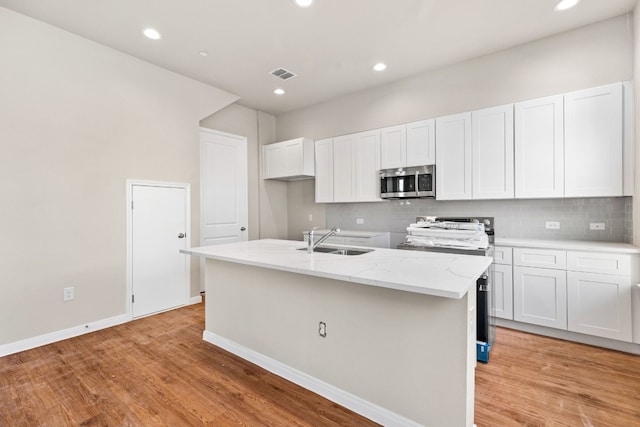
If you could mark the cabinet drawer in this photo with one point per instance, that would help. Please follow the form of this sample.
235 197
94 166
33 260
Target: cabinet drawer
597 262
503 255
545 258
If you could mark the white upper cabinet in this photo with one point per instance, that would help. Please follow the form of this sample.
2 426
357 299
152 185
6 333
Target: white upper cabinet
367 165
421 143
492 152
324 170
539 148
593 142
413 144
289 160
356 162
628 149
453 157
344 153
393 147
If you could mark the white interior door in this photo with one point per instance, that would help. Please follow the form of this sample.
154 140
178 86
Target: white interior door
223 180
159 226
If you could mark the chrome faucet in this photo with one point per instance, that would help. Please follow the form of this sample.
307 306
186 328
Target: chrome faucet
311 245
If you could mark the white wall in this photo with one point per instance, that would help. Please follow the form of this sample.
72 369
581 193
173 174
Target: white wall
77 120
589 56
636 79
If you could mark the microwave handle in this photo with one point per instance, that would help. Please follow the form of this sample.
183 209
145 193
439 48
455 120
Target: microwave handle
416 184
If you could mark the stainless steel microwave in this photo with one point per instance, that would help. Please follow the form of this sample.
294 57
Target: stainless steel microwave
411 182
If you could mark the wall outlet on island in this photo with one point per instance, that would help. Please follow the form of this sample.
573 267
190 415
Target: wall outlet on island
552 225
322 329
360 221
597 226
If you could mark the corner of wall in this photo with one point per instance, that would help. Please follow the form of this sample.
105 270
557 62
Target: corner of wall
636 79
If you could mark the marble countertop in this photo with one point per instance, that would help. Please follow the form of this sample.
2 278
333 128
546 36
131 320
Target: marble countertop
569 245
429 273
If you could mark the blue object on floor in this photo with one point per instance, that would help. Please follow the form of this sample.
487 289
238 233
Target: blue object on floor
483 349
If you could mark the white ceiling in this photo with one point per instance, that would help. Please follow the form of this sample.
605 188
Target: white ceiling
332 46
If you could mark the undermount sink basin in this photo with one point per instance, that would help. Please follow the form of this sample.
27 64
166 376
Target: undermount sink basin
339 251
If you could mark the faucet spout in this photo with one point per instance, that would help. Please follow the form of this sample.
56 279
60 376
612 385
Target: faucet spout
311 245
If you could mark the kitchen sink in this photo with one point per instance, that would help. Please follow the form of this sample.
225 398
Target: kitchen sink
339 251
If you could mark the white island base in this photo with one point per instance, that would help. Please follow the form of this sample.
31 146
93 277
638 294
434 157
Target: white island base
396 357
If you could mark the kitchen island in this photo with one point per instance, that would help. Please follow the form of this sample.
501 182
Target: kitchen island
399 326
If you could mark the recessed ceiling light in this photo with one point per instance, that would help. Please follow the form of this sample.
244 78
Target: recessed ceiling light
303 3
151 33
565 4
380 66
278 91
203 53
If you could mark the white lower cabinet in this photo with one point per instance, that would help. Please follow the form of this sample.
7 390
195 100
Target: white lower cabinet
503 291
540 296
503 282
581 291
599 304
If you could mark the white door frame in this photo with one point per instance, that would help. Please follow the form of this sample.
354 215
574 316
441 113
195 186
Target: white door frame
130 184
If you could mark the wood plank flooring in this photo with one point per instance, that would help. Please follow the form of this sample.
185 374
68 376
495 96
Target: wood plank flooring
157 371
539 381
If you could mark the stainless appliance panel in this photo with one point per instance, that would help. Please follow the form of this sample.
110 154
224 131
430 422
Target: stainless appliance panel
411 182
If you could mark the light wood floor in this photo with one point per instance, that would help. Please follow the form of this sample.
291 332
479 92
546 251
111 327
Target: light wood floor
157 371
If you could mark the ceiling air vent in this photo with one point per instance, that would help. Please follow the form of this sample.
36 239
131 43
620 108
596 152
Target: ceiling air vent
283 74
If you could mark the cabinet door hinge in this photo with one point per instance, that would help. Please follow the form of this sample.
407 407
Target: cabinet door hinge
133 298
132 204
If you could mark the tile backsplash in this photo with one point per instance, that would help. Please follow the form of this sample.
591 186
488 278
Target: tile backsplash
513 218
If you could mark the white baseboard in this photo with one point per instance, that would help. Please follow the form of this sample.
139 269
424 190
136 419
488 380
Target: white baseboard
363 407
64 334
623 346
195 300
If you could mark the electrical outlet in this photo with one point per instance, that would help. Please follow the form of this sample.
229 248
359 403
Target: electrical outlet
360 221
553 225
68 293
597 226
310 217
322 329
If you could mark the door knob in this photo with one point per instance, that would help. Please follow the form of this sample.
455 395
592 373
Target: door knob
181 236
242 228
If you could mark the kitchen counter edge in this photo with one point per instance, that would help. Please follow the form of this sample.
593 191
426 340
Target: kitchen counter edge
260 253
570 245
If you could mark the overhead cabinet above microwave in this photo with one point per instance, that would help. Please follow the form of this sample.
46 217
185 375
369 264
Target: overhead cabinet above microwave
289 160
412 144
